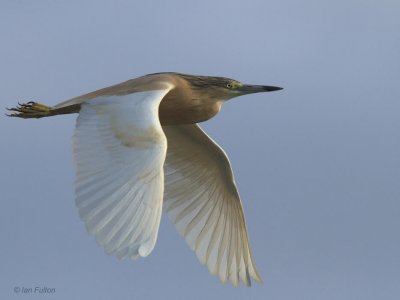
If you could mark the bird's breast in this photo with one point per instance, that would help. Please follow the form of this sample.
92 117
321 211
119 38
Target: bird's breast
175 110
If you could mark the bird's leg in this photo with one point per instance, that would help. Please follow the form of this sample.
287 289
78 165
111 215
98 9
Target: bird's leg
30 110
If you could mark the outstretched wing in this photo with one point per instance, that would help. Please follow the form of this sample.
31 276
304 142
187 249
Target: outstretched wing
119 152
202 199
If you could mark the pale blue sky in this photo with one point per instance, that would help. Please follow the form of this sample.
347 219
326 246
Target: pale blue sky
317 164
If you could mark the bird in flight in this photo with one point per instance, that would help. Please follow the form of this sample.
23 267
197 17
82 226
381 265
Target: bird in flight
138 148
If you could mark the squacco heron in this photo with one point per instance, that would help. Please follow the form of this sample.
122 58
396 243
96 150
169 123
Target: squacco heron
137 147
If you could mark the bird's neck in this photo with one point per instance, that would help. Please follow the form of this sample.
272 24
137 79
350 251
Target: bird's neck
174 111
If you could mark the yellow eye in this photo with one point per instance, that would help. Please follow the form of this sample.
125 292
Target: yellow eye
233 85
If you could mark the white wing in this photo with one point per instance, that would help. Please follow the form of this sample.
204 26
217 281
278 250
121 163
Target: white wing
202 200
119 152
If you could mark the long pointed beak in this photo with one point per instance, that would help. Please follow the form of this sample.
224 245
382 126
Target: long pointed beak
250 89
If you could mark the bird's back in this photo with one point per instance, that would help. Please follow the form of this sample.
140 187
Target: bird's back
182 105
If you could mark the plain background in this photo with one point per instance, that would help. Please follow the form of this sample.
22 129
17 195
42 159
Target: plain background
317 164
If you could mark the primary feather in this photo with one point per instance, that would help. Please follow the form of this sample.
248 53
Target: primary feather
202 199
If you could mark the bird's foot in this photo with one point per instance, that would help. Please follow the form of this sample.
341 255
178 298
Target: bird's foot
30 110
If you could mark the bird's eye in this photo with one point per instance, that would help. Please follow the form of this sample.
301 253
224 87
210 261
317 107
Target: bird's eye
229 85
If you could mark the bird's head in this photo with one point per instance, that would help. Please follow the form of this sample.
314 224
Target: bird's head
223 88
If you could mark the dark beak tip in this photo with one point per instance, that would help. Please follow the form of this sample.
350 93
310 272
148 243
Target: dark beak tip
250 89
273 88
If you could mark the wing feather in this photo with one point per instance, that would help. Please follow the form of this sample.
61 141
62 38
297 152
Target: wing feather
119 152
202 199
